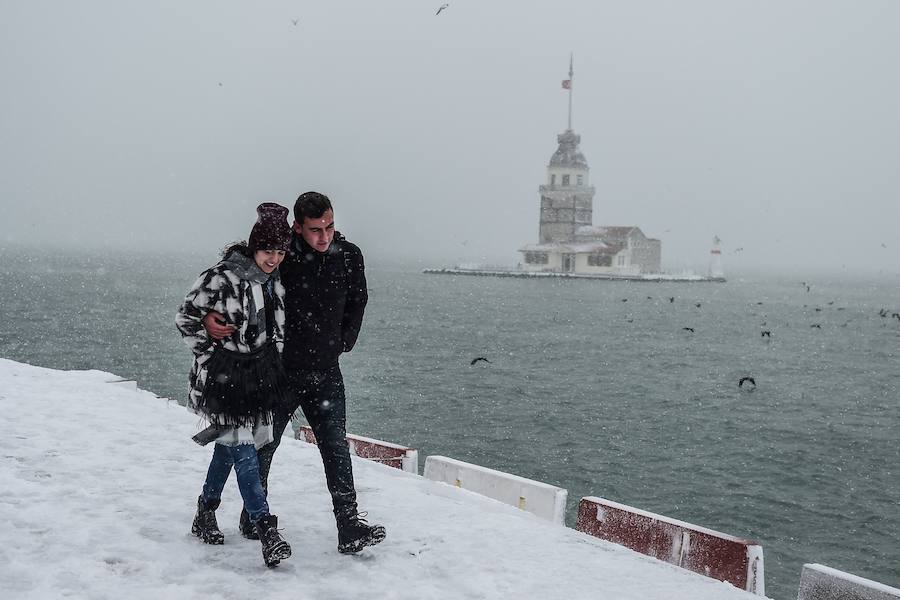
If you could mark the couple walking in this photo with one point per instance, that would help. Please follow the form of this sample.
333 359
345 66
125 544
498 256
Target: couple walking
267 326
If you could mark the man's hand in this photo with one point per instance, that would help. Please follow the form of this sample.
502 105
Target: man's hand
215 326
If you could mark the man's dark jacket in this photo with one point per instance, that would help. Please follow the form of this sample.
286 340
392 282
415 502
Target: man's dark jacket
325 298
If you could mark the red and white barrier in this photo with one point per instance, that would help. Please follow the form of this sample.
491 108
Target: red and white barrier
818 582
542 499
717 555
386 453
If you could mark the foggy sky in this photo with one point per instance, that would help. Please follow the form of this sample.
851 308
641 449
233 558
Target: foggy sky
771 123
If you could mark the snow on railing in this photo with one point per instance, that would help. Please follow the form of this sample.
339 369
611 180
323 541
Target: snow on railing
698 549
386 453
818 582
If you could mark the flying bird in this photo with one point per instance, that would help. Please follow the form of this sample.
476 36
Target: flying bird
671 299
691 329
743 379
766 333
476 359
295 21
443 6
816 325
697 305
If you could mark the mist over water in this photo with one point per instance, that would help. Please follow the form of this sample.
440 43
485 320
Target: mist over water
592 385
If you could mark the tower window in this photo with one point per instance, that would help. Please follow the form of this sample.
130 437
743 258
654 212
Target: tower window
553 179
565 180
581 180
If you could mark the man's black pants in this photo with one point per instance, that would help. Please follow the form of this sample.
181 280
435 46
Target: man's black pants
320 395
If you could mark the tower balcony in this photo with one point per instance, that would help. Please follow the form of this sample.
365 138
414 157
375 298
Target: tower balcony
580 189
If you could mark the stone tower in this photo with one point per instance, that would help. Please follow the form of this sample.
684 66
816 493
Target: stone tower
567 198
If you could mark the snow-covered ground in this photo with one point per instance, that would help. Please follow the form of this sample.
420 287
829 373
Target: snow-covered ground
99 486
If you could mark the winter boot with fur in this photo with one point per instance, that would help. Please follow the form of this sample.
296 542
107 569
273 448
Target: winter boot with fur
205 526
274 548
246 526
354 533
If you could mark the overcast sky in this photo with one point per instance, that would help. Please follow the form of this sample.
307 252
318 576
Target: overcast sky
773 124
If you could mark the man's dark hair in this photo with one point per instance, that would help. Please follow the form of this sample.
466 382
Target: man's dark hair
312 205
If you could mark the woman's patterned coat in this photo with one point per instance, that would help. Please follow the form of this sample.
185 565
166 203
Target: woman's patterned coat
227 288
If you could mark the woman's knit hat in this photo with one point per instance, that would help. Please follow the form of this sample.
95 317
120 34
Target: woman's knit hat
271 231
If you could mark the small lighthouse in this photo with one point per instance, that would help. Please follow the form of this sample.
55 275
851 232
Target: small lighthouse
715 260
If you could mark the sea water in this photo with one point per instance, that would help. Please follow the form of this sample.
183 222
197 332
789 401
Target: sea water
595 386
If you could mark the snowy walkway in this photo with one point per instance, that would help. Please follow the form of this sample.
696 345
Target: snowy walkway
99 486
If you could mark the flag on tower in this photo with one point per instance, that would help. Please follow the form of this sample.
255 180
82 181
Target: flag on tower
567 84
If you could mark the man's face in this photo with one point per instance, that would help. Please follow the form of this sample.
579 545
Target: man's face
317 232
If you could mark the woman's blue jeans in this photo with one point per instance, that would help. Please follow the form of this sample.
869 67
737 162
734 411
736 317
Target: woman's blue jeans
243 459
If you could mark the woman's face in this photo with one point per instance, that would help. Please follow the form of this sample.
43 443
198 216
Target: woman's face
268 260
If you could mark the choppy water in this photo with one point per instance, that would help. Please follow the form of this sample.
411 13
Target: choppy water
593 386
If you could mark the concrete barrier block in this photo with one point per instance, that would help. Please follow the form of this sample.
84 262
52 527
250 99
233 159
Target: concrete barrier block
698 549
386 453
542 499
818 582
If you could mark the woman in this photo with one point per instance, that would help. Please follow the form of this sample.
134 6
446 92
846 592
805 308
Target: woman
237 382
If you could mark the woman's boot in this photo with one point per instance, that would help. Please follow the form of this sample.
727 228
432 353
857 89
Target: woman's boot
274 548
205 526
248 530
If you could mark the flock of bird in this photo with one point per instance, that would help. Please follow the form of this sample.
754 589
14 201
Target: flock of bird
765 333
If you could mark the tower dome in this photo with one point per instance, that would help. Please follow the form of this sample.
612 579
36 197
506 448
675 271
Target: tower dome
568 154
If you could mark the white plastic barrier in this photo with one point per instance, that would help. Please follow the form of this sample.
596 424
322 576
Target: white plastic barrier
818 582
542 499
392 455
698 549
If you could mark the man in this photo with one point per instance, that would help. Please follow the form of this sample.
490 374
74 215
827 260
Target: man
325 298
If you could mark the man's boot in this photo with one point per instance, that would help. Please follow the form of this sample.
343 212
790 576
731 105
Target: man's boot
246 526
354 533
274 548
205 526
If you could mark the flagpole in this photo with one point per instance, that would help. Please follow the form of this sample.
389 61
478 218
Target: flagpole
571 73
